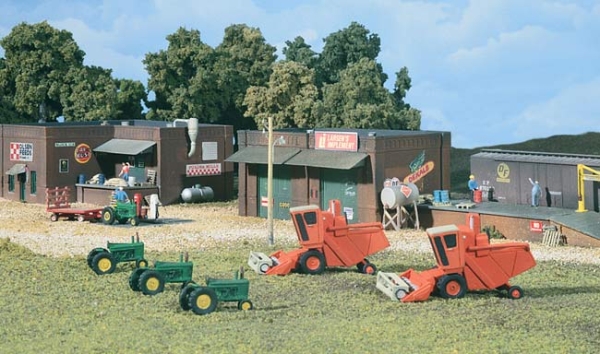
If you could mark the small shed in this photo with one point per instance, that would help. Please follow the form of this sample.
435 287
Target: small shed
506 173
314 166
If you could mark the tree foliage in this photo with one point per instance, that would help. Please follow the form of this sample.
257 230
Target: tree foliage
43 77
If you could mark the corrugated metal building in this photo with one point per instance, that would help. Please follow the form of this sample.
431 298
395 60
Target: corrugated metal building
507 173
37 156
314 166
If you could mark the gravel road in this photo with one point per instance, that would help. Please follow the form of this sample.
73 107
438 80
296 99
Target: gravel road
195 226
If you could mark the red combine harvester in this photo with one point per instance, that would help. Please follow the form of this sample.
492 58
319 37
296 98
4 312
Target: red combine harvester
466 261
326 240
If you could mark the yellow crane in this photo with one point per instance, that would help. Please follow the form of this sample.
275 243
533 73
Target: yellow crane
591 175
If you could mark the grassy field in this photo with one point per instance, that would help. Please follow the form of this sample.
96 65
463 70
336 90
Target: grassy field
53 305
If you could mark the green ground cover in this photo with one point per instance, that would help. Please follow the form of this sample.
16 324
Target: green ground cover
53 305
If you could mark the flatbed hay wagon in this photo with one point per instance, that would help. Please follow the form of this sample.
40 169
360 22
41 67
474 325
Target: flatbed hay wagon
59 205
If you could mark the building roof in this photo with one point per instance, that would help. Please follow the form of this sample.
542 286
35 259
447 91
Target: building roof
125 146
538 157
258 155
341 160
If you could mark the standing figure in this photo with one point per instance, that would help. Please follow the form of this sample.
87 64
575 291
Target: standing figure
536 193
473 185
125 171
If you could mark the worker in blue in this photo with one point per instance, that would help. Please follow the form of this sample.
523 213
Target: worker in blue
473 185
121 195
536 193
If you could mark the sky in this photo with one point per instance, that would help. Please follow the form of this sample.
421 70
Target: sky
488 71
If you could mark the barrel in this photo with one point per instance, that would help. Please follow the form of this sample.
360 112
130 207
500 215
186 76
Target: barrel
81 179
437 196
444 196
131 181
197 194
101 179
477 194
395 196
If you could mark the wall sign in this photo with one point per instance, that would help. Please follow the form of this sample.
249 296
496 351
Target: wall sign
21 152
210 150
536 226
203 169
62 145
83 153
503 172
337 141
63 166
420 172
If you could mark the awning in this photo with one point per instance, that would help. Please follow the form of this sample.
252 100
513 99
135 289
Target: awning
125 146
340 160
258 155
17 169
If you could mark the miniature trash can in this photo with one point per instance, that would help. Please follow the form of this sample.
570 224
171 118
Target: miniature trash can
81 179
437 196
444 196
101 179
477 195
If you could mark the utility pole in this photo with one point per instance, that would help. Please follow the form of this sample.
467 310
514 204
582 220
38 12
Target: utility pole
270 148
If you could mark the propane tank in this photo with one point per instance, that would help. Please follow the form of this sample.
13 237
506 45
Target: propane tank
197 194
402 194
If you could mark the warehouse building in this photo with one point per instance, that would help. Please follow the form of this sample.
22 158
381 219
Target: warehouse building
165 158
352 165
506 173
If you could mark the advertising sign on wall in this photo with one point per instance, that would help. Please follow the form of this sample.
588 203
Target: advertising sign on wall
337 141
83 153
21 152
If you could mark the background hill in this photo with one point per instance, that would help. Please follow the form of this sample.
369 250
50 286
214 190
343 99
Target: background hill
587 144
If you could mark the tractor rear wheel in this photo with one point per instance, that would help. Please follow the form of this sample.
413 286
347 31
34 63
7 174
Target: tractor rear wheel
152 282
103 263
134 221
312 262
108 216
369 268
452 286
245 305
184 296
134 279
515 292
90 256
203 300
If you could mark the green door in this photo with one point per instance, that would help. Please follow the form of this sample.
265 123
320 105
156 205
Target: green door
282 191
342 185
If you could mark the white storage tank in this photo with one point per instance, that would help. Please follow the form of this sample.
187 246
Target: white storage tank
399 195
197 194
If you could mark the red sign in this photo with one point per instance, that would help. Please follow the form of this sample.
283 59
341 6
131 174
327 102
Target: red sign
337 141
83 153
420 173
204 169
536 226
406 190
264 201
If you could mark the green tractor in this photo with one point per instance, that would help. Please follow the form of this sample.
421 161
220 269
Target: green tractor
104 260
133 211
203 300
151 281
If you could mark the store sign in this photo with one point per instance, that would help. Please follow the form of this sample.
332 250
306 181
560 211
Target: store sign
203 169
337 141
420 173
21 152
83 153
62 145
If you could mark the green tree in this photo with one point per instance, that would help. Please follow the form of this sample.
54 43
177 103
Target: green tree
359 100
345 47
130 95
181 79
244 59
89 94
299 51
37 59
289 97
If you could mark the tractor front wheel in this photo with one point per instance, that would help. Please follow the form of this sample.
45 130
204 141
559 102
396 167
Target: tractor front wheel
245 305
203 301
134 279
141 263
108 216
54 217
452 286
103 263
515 292
152 282
312 262
134 221
369 268
90 256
